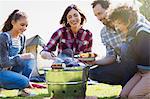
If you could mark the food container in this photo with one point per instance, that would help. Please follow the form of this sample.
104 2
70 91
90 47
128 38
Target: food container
68 83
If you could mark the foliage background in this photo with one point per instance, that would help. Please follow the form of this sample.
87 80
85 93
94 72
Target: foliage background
145 8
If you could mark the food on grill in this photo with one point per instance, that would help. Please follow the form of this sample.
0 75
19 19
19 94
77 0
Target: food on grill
87 55
56 66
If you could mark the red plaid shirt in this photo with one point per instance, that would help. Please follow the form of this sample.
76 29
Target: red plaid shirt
65 38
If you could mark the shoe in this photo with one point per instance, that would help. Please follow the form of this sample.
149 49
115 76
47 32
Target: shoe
92 82
24 93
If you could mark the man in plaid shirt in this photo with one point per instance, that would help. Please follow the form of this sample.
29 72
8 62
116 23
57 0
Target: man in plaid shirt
108 67
112 40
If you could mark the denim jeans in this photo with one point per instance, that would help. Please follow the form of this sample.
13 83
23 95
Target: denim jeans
19 75
12 80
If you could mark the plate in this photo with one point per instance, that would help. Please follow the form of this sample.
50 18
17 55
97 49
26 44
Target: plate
87 59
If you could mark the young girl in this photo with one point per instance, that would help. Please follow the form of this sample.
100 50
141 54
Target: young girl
138 39
15 67
71 35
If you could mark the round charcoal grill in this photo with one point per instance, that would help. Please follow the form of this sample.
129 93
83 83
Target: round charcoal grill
68 83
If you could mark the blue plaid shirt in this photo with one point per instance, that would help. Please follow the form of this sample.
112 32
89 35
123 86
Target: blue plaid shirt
112 40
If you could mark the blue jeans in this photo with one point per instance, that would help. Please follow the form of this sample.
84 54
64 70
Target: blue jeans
13 80
18 76
24 67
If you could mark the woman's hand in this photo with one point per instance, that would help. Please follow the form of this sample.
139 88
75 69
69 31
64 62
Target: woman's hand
48 55
27 56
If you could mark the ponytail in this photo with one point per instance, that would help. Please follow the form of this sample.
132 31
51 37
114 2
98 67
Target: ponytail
15 15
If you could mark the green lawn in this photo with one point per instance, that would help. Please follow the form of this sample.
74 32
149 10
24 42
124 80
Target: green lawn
102 91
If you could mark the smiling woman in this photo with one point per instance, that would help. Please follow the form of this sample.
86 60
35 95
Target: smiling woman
71 35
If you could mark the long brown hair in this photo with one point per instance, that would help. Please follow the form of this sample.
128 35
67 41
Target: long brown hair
15 15
63 20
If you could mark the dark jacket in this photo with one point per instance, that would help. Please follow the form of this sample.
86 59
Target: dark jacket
138 51
139 44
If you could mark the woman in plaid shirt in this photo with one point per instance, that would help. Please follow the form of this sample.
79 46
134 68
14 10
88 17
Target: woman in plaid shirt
71 35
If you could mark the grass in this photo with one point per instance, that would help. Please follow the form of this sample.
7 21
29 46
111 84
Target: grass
102 91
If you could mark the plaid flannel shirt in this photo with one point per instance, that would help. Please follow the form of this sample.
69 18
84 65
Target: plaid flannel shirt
65 38
112 40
